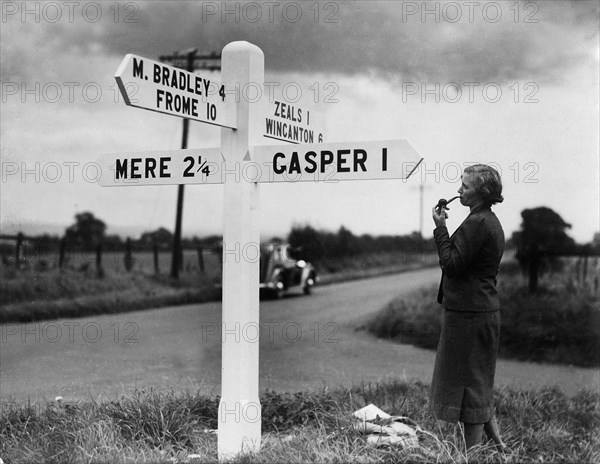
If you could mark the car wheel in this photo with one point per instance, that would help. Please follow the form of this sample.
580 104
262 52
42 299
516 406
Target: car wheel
310 282
279 290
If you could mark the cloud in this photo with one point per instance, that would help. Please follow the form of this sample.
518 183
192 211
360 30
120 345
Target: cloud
395 40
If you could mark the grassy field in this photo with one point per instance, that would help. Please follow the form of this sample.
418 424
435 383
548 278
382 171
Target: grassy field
151 427
559 324
36 292
30 295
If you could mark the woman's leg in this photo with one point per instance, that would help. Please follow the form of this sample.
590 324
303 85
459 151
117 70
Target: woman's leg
473 434
493 433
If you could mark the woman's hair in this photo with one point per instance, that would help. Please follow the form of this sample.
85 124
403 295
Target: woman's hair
487 182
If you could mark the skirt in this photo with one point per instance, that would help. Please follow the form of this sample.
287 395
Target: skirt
462 388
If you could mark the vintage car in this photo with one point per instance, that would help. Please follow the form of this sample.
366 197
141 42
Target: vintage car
280 271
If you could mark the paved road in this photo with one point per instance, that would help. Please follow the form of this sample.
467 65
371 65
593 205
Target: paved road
306 343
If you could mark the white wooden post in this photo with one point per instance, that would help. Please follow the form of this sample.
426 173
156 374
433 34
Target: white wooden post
242 66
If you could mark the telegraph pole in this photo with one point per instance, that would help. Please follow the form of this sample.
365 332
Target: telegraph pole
421 205
421 188
421 215
190 61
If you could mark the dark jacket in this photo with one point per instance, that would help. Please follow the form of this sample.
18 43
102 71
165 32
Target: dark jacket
469 261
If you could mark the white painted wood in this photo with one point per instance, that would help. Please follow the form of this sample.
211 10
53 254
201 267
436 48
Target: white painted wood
156 86
292 123
326 162
239 409
162 167
335 161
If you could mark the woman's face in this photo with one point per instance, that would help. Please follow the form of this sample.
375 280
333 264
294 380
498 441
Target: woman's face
468 195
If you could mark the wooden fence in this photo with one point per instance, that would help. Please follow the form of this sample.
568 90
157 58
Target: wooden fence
581 267
19 251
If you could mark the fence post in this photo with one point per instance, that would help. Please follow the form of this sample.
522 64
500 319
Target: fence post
99 271
18 250
596 279
128 259
61 252
220 255
533 272
155 252
201 258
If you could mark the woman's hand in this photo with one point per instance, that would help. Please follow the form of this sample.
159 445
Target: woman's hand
439 219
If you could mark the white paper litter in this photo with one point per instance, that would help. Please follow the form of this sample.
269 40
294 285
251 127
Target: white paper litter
370 413
388 431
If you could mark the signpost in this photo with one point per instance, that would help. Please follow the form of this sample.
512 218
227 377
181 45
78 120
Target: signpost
156 86
332 162
327 162
241 165
291 123
190 166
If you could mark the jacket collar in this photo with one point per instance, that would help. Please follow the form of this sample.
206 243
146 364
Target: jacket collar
479 208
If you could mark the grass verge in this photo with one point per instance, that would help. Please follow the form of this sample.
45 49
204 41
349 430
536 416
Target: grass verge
558 324
155 427
30 295
36 296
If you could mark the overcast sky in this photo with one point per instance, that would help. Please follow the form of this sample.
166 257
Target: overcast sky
509 83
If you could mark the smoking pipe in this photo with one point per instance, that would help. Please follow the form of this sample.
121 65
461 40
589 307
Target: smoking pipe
443 203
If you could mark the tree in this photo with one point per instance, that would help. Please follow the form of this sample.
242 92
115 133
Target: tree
45 242
309 241
345 243
595 245
112 242
542 232
161 237
87 231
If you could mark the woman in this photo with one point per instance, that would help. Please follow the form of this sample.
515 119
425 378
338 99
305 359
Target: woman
465 364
